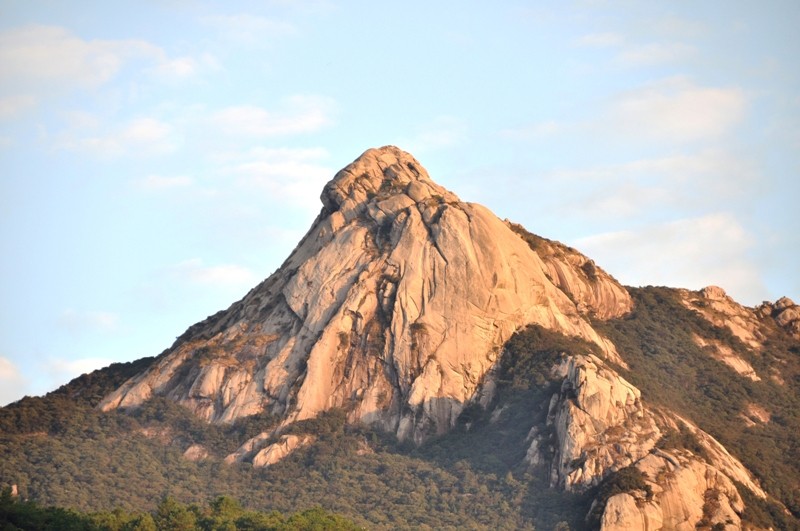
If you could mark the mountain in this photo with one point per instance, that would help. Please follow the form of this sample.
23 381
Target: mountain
395 303
410 327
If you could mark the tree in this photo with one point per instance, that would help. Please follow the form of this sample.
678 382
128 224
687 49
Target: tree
171 515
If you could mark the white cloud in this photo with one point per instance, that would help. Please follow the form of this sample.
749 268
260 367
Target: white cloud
79 321
689 253
248 29
651 187
299 114
43 61
184 67
180 67
62 371
162 182
13 385
600 40
536 130
13 105
77 119
141 136
673 27
39 55
223 275
669 110
655 53
146 131
677 110
295 176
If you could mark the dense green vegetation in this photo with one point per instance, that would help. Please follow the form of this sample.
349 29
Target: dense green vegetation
656 340
222 514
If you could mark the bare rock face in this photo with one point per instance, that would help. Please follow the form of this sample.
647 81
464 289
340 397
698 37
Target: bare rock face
686 493
600 426
595 292
597 425
726 355
275 452
625 512
395 305
719 309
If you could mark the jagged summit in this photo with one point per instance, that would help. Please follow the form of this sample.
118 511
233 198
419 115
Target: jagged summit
380 173
396 304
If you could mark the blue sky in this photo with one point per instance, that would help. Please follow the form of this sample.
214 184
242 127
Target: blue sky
157 159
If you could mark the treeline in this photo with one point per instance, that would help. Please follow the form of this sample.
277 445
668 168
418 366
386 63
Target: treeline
222 514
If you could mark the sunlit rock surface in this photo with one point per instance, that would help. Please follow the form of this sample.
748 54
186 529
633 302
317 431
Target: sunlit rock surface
395 304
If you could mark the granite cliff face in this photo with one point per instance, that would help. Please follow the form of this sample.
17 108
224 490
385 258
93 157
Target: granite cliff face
395 304
598 424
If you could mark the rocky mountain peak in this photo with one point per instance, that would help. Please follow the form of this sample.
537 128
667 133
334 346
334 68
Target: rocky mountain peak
396 305
378 174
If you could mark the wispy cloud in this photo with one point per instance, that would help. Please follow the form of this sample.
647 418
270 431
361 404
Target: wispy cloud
93 321
13 385
600 40
140 136
536 130
690 252
41 61
224 275
636 54
247 28
679 183
298 114
59 371
677 110
163 182
295 176
13 105
53 55
672 110
655 53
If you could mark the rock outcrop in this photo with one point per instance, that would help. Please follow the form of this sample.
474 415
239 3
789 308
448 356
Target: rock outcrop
600 426
597 425
726 355
395 305
274 452
747 324
785 313
686 493
595 292
720 310
196 452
